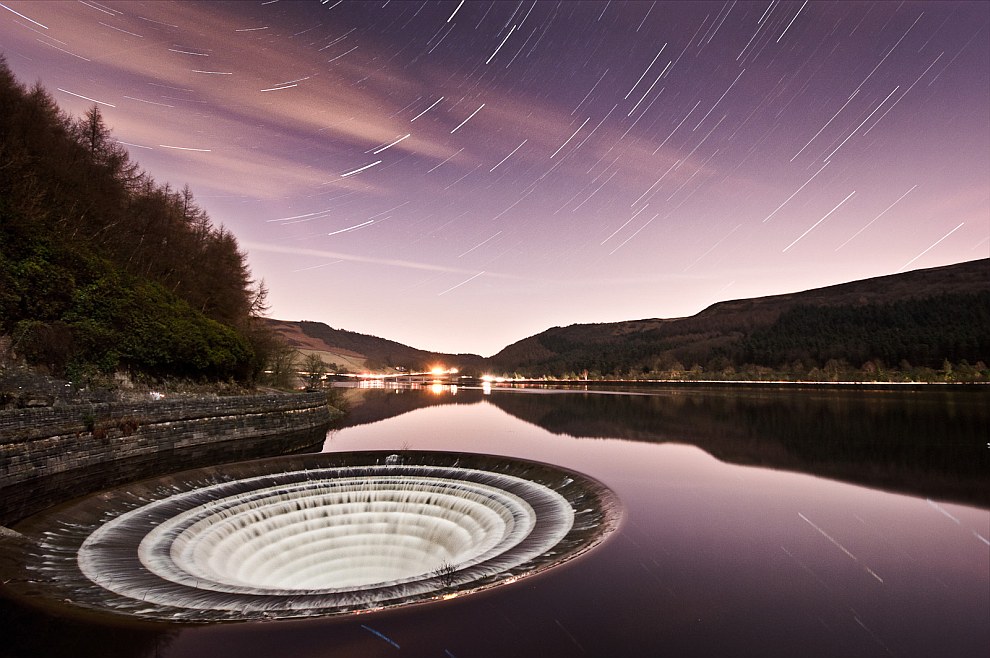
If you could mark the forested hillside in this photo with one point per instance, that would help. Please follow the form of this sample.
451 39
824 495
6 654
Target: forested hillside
927 324
101 267
924 332
378 353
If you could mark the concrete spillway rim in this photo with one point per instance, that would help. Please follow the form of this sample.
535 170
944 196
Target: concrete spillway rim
597 512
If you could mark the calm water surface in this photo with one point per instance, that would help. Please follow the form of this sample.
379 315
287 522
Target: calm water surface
755 523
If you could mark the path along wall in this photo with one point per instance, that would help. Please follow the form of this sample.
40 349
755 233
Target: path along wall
52 454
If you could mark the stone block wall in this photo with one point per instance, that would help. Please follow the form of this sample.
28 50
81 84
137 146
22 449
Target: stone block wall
79 446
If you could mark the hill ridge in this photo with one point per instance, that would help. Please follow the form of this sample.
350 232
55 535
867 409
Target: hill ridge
716 337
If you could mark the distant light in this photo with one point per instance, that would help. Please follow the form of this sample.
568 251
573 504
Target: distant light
438 371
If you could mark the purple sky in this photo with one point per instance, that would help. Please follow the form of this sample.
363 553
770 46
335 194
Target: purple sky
457 176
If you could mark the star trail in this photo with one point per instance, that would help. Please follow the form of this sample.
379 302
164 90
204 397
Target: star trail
459 175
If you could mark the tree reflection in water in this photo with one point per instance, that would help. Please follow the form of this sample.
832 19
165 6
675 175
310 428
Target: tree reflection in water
929 442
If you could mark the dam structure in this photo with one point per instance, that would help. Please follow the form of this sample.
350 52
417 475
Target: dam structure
310 535
51 454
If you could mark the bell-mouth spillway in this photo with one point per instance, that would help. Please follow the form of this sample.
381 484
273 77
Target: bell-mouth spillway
311 535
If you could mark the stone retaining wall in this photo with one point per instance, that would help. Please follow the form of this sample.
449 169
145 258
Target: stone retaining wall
86 446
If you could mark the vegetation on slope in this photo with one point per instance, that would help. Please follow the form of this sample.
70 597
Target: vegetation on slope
102 268
922 325
377 353
925 325
923 332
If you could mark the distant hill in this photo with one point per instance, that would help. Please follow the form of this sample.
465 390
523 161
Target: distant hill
356 351
920 318
104 270
911 322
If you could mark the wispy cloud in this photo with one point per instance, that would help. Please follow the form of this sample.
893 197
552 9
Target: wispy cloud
373 260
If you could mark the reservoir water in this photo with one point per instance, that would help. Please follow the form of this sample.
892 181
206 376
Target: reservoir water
755 522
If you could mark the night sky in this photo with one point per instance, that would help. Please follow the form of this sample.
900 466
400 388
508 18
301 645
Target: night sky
459 175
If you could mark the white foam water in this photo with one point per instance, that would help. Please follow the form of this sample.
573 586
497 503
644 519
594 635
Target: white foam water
304 540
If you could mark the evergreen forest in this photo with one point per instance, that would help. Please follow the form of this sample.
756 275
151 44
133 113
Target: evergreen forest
102 269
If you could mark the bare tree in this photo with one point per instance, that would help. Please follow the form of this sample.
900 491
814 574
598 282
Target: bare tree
445 572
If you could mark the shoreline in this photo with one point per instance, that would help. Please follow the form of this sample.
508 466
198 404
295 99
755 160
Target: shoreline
676 383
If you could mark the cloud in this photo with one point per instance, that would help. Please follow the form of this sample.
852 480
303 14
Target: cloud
390 262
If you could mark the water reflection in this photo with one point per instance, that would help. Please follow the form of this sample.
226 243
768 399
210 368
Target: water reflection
29 633
717 555
720 559
928 443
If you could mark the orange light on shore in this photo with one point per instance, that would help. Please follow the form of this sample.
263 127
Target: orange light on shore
437 370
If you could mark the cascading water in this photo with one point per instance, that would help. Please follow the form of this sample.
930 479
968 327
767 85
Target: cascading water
313 535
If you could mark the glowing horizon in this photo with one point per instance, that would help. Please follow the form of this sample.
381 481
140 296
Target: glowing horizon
458 176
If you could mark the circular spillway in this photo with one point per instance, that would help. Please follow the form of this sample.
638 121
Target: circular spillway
314 535
336 533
